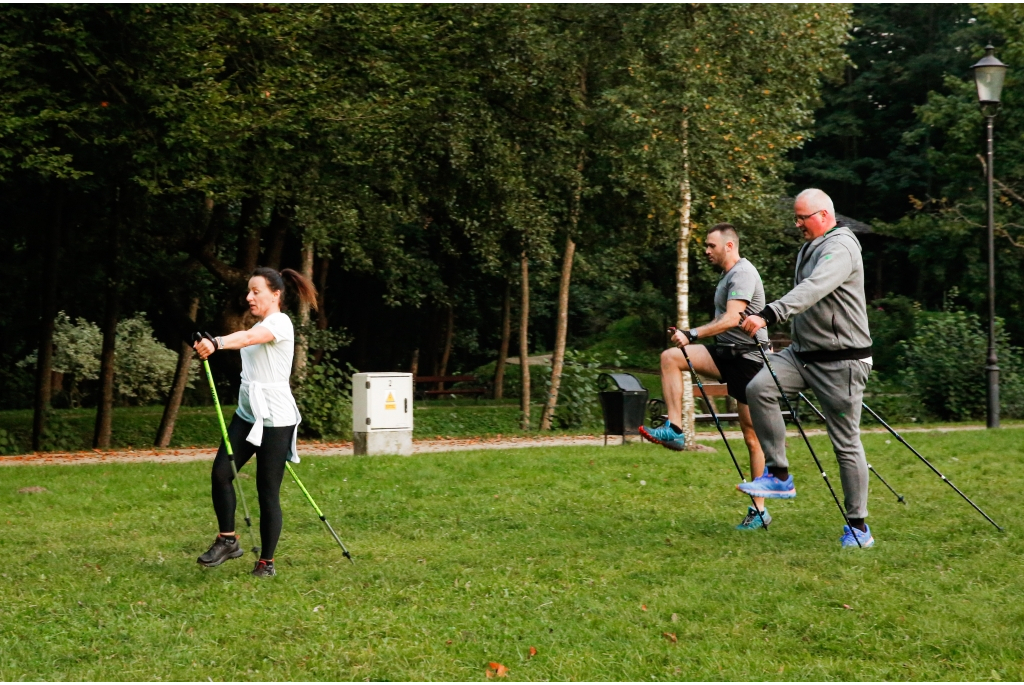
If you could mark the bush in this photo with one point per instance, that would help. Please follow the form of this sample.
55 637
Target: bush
143 367
578 405
891 320
945 366
324 398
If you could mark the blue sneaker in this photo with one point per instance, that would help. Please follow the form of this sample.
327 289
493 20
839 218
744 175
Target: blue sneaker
752 521
665 435
866 540
769 487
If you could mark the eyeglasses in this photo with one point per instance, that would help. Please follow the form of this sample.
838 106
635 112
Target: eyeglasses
804 217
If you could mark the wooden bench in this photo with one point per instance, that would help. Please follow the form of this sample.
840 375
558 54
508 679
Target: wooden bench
441 380
714 390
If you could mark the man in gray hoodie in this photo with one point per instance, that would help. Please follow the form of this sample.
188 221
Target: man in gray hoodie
830 354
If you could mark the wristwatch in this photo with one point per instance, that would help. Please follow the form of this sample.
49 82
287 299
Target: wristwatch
691 334
218 342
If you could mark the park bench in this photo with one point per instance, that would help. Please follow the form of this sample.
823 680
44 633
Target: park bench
656 407
441 391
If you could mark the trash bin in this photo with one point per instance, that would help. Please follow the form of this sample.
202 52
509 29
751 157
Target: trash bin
623 400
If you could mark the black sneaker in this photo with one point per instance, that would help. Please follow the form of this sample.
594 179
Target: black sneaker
264 569
221 550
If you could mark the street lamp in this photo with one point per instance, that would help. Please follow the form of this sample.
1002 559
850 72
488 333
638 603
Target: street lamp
989 73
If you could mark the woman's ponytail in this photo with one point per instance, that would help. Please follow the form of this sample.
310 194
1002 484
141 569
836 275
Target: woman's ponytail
304 287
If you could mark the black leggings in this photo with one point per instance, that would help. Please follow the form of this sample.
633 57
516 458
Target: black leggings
270 464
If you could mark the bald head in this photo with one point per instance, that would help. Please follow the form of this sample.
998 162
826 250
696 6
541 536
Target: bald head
815 213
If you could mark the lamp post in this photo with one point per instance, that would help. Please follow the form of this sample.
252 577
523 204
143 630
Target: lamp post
989 73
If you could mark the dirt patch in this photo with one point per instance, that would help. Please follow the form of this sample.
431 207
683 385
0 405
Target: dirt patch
32 489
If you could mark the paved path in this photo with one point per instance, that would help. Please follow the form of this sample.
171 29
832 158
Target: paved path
169 456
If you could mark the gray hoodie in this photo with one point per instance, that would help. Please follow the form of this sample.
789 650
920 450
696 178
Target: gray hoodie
827 305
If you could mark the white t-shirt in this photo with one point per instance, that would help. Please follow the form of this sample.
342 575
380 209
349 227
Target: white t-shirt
270 362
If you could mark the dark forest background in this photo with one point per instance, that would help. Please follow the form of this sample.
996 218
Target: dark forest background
409 158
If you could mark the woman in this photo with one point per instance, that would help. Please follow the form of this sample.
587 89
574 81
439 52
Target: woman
266 421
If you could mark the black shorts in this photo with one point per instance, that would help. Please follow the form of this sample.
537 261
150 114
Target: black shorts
736 372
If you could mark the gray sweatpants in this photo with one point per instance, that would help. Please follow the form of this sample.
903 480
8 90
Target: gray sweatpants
839 387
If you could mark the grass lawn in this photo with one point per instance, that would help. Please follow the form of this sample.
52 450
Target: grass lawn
467 558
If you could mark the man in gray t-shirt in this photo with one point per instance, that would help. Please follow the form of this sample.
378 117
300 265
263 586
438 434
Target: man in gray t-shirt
733 359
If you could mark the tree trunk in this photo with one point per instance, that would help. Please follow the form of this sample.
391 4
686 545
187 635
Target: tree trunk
447 351
280 221
683 279
414 366
48 310
321 298
105 406
558 357
301 340
506 334
185 352
524 352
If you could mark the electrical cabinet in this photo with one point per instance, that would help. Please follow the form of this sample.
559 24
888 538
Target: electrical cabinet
382 402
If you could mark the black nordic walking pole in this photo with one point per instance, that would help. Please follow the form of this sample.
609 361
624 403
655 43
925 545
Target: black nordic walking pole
317 510
196 337
796 420
899 497
714 415
929 465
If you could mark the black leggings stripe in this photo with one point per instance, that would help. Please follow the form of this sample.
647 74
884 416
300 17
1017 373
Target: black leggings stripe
270 464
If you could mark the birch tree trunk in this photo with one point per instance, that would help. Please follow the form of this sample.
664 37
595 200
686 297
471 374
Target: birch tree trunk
165 430
301 340
506 334
558 358
683 279
524 352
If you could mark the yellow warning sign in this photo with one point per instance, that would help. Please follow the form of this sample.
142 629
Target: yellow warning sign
389 403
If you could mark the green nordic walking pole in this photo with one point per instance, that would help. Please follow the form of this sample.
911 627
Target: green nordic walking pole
227 445
317 510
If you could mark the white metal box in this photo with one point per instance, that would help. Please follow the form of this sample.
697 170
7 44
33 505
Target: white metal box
381 402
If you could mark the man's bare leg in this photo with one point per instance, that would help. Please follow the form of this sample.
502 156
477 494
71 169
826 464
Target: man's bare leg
673 366
753 447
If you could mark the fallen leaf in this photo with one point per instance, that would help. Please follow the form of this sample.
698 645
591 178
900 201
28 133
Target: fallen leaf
447 642
846 606
675 618
671 637
781 669
317 608
533 652
496 670
496 496
643 607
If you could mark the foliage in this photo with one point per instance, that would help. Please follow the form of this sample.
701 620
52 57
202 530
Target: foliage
143 367
578 405
324 399
891 322
945 366
8 445
417 525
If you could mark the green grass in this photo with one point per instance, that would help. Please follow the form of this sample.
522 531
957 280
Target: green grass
466 558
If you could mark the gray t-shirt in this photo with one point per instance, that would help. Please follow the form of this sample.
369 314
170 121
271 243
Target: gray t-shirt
741 282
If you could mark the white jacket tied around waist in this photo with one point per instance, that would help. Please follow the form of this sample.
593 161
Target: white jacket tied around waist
261 412
265 398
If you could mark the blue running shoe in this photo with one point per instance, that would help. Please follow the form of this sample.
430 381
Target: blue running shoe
866 540
769 487
752 521
665 435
